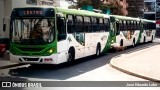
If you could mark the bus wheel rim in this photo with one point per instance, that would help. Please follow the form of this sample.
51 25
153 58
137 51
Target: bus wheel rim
98 52
69 57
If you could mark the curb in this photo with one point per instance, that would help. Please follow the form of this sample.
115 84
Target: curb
9 66
133 74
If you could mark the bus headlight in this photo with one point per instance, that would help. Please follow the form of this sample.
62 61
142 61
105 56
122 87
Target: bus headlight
112 41
51 50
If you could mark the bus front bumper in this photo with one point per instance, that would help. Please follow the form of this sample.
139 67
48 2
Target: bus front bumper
34 59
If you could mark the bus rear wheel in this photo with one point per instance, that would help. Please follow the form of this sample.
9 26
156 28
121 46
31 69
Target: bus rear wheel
121 43
133 43
144 39
151 39
98 50
71 57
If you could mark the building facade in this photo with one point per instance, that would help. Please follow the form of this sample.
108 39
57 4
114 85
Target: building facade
157 17
149 9
152 12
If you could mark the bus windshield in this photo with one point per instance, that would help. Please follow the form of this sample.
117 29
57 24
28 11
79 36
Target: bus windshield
32 31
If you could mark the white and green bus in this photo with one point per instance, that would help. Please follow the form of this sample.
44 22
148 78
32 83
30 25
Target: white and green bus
128 30
131 31
53 35
148 31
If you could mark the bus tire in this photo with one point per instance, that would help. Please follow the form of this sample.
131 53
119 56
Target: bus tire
133 43
98 50
151 39
71 56
121 43
144 39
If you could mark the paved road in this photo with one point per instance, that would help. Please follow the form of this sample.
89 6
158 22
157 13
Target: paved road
86 69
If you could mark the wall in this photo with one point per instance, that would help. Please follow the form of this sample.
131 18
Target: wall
18 3
1 18
6 9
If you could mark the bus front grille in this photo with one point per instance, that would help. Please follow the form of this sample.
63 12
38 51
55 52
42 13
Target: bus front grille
31 49
31 59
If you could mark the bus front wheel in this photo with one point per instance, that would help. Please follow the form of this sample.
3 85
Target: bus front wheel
71 56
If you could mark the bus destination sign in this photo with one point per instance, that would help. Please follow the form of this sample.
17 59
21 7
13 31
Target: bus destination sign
33 12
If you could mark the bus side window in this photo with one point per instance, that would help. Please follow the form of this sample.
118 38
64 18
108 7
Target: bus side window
107 24
70 24
87 24
130 25
117 27
127 25
136 25
144 26
121 27
101 25
139 25
124 26
79 26
153 26
148 25
61 28
95 24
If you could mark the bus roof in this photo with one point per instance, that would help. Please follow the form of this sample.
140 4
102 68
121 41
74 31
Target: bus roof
81 12
117 17
146 20
69 11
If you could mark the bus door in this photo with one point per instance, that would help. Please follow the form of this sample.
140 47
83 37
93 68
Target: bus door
62 45
112 29
88 36
79 36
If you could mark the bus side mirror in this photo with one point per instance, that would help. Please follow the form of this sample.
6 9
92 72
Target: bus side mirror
4 25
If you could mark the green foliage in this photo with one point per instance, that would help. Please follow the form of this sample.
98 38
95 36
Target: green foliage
114 6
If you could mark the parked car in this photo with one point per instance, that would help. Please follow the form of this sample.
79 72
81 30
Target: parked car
2 49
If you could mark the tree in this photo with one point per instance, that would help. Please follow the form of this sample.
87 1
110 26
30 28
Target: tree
114 6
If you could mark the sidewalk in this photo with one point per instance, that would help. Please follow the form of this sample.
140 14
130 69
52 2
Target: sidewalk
5 62
144 63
